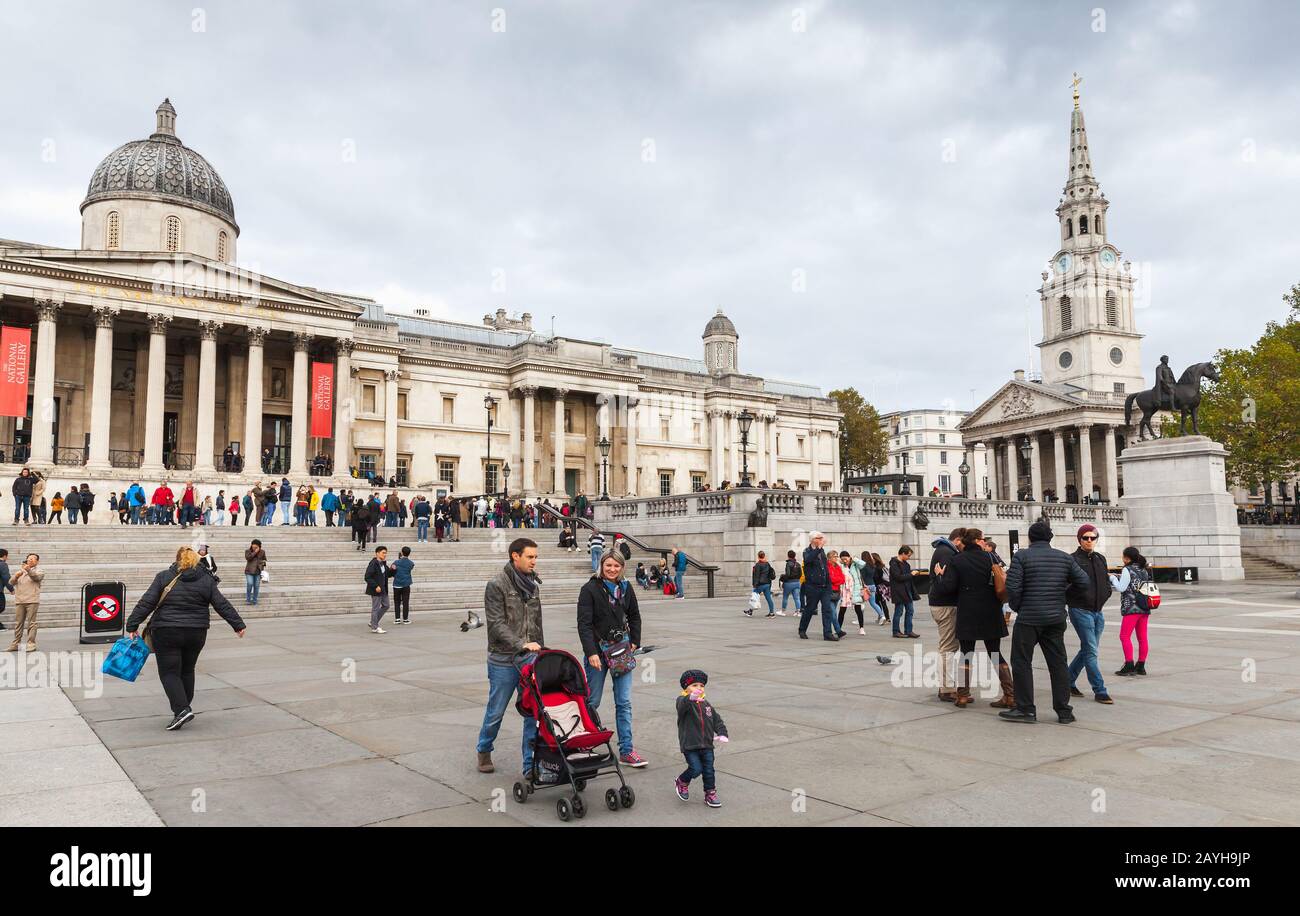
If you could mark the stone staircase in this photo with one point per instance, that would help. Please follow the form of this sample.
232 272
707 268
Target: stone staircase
312 570
1262 569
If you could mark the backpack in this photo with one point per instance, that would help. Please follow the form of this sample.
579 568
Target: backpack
1146 595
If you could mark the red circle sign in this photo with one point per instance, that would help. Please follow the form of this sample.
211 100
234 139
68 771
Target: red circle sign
103 607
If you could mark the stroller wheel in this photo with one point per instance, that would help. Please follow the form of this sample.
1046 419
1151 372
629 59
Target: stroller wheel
521 794
611 799
580 784
627 796
579 807
562 808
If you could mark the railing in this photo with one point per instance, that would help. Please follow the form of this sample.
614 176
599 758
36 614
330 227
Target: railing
125 458
879 505
713 504
1269 515
624 511
178 461
709 571
15 452
933 507
229 464
784 502
666 506
72 457
832 504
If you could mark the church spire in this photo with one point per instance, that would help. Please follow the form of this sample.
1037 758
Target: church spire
1080 176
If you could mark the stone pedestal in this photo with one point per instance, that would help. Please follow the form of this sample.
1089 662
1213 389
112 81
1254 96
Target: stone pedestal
1179 510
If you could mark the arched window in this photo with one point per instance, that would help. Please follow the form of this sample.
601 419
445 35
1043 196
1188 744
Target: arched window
113 239
1096 223
173 233
1083 224
1069 228
1067 317
1112 309
221 246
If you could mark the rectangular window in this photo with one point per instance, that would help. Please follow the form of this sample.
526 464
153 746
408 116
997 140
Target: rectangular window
920 438
904 422
663 429
568 420
801 446
366 464
490 477
697 481
401 405
778 443
942 422
403 471
368 399
825 487
920 458
447 472
943 438
665 483
448 410
945 483
907 440
943 457
698 432
1119 387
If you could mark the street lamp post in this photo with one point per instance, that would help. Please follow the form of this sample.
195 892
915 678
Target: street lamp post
963 469
489 403
907 491
603 445
745 419
1026 452
505 476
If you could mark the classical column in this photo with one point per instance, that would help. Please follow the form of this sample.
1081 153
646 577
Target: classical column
1058 463
516 438
1013 468
633 468
47 318
156 392
345 405
733 445
236 389
715 452
101 389
838 483
528 474
1085 461
253 416
814 472
390 422
1112 467
991 457
207 422
298 446
602 432
558 461
1035 469
187 433
139 403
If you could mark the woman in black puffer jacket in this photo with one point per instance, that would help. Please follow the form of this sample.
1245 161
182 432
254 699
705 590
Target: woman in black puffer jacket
177 604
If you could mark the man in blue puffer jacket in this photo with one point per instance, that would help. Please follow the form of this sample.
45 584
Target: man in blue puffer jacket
1036 586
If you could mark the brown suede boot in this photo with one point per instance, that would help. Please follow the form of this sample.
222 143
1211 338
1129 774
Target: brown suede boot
485 762
1008 698
964 698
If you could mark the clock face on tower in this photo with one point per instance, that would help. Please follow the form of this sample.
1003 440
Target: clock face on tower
1063 264
1108 258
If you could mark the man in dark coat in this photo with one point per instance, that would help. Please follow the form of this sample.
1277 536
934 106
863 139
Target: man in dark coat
943 608
1036 587
817 589
1086 613
378 572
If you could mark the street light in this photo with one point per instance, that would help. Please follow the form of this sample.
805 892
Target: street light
1026 451
963 469
906 491
603 445
745 419
505 473
489 403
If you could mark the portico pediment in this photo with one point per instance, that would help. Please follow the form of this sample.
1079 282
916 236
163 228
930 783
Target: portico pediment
1019 404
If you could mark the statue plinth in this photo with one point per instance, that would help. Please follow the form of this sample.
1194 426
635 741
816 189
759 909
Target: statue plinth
1179 510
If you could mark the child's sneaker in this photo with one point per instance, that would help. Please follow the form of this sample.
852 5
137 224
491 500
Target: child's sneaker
711 798
683 790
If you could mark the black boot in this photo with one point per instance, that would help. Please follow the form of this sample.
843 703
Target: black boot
1141 669
1018 715
1127 670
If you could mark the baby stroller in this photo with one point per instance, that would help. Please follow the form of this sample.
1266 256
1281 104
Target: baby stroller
571 747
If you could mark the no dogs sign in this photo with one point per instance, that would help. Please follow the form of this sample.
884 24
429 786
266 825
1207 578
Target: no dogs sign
102 617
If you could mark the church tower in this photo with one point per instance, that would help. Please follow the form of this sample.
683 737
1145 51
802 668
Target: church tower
1090 341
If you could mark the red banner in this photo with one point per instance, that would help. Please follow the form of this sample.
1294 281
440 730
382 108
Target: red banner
15 360
322 400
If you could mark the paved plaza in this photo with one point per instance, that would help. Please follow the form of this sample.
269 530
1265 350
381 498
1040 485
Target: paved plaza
820 735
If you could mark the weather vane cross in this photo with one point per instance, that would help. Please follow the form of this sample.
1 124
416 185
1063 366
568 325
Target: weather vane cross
1074 84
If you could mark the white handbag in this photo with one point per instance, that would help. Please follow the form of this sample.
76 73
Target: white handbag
753 601
265 578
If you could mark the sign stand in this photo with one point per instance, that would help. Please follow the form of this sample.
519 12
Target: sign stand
103 612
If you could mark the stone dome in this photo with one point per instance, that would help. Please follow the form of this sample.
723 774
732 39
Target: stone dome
720 324
161 168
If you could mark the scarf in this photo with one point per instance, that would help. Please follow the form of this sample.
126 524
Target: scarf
525 585
614 588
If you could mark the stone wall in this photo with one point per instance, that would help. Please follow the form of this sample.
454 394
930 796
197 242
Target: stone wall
1279 543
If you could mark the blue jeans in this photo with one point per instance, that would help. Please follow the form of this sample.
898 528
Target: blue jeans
72 516
791 590
766 591
503 683
828 600
268 516
699 763
135 515
677 581
284 511
622 702
1088 624
422 529
252 586
875 605
595 558
902 605
25 504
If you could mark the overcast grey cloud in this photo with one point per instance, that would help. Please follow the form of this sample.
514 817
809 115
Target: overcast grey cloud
521 155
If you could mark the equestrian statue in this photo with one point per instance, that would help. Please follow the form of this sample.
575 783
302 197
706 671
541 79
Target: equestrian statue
1183 395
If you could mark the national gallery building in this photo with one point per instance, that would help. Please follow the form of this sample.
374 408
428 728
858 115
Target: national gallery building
148 353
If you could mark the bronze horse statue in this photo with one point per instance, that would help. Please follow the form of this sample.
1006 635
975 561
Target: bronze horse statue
1187 398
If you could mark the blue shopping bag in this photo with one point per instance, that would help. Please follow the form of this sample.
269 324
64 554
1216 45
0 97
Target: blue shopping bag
126 658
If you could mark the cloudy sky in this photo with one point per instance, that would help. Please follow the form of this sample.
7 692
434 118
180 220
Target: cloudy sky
629 167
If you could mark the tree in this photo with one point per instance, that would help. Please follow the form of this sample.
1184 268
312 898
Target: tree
863 443
1254 410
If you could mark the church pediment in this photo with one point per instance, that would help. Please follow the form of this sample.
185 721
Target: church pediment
1016 402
